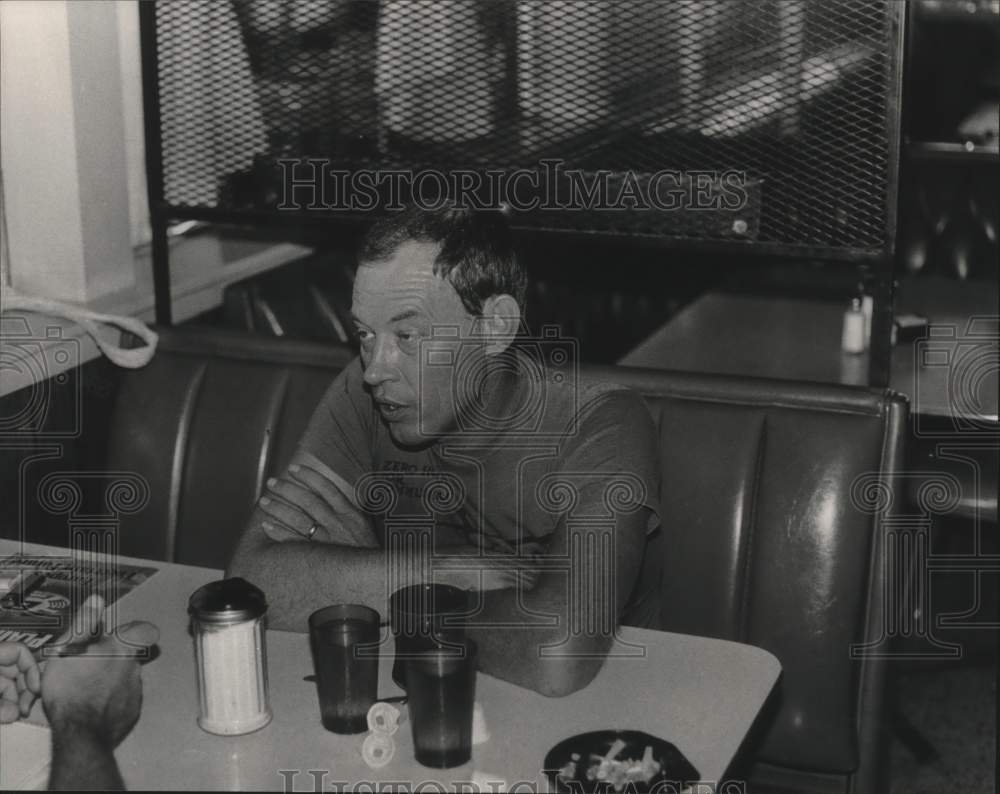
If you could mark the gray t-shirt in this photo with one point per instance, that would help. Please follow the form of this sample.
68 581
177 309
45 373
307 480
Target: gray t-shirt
573 449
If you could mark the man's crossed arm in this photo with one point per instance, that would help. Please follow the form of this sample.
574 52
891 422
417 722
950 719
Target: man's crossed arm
544 622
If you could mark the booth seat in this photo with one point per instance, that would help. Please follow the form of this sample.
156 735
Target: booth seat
774 522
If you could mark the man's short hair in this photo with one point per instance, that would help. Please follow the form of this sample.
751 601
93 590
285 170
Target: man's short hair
477 252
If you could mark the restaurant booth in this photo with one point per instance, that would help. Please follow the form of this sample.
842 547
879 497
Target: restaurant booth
808 310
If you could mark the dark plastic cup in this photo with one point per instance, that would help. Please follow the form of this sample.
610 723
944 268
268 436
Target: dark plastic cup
441 690
424 617
344 640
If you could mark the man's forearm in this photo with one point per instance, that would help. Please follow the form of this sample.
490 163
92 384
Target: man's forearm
528 638
515 643
301 577
81 759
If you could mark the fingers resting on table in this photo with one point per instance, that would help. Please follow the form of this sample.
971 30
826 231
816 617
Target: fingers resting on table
20 681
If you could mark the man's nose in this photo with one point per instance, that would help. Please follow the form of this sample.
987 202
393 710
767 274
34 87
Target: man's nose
380 366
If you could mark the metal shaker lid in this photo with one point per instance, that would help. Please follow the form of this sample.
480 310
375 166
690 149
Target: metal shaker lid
227 601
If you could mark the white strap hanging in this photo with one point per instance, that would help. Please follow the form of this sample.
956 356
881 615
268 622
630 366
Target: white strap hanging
91 323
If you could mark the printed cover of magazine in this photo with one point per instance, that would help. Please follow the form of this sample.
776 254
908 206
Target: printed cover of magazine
48 608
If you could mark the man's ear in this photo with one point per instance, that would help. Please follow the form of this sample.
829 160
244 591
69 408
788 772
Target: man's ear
500 320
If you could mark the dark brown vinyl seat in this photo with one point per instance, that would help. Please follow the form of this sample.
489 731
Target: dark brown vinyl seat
773 522
776 497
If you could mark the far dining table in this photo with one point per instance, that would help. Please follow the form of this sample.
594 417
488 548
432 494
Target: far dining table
949 374
701 694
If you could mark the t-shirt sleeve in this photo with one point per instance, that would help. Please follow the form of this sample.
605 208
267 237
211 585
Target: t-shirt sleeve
613 457
340 433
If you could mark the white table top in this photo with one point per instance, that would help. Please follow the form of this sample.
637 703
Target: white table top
701 694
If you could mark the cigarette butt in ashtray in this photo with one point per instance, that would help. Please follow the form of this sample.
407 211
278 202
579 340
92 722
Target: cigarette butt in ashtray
378 749
384 718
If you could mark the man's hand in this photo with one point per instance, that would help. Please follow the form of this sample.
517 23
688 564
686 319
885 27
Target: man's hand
20 681
94 687
307 505
466 568
482 578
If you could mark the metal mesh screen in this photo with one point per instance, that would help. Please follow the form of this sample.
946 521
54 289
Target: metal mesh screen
768 121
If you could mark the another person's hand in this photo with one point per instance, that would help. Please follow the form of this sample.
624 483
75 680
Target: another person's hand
20 681
96 687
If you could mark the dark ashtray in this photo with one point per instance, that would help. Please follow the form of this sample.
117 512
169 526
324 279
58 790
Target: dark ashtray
578 765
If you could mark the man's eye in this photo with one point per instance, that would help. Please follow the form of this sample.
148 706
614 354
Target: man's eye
363 334
407 336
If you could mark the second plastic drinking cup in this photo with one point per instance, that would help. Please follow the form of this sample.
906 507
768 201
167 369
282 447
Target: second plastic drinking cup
422 617
344 641
441 690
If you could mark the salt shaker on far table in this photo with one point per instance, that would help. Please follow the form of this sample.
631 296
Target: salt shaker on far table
227 619
852 338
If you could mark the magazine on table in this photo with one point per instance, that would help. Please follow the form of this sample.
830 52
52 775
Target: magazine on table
38 593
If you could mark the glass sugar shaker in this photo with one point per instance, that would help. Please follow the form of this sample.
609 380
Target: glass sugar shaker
227 620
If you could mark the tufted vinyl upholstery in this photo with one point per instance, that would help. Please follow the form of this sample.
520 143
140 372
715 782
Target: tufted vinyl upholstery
767 539
761 540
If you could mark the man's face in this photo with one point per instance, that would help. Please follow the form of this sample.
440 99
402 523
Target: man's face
397 305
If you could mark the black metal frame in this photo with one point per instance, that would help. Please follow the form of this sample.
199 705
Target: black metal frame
883 284
875 268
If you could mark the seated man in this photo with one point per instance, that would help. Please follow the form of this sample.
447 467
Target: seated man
457 451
